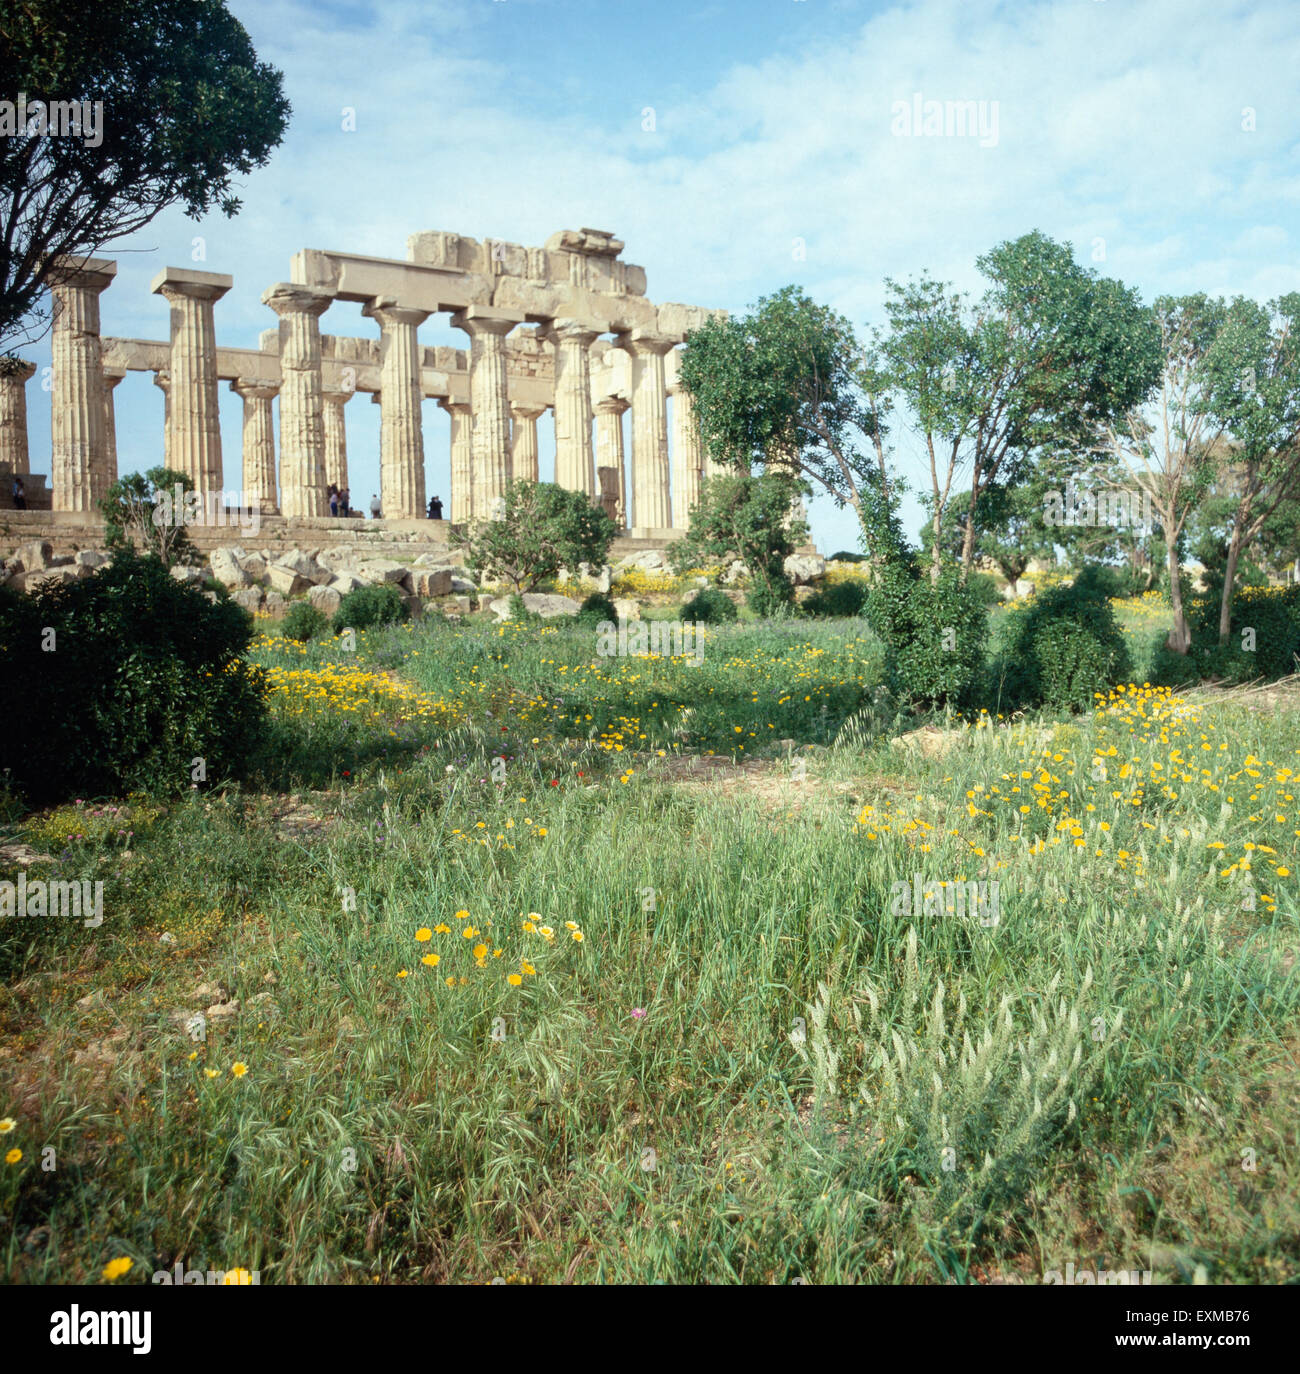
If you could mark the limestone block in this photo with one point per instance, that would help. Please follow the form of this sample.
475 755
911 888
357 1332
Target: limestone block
286 581
254 565
735 571
627 609
275 605
296 560
345 582
464 604
648 560
379 570
325 599
250 598
50 577
92 558
35 556
226 569
184 573
804 567
463 584
545 604
430 582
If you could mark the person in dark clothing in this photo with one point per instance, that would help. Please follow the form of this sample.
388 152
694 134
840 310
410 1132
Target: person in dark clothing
20 494
435 508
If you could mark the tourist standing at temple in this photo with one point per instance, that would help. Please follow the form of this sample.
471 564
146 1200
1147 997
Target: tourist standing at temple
20 494
345 498
333 493
435 508
375 509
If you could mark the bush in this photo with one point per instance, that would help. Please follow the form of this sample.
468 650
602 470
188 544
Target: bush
838 599
1067 646
365 607
709 606
985 587
843 557
125 678
1271 613
303 622
596 609
936 634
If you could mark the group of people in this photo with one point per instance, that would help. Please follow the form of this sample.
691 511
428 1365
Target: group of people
340 500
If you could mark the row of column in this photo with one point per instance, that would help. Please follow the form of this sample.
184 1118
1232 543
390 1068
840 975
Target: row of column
492 441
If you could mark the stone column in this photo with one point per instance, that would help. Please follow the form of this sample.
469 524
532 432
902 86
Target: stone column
574 458
162 379
195 440
336 438
650 506
523 441
302 423
688 457
460 503
112 377
609 449
259 444
401 431
77 400
15 373
487 328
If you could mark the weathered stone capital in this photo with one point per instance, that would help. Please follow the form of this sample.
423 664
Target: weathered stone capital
487 319
252 388
337 397
289 298
180 283
454 407
612 405
83 274
523 412
386 311
642 343
564 331
113 375
162 378
16 369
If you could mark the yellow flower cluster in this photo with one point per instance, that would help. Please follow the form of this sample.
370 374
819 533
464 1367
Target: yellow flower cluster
484 949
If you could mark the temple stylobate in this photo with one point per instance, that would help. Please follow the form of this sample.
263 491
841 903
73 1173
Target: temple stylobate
566 327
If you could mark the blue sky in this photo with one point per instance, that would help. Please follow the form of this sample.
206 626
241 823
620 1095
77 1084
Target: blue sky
1122 129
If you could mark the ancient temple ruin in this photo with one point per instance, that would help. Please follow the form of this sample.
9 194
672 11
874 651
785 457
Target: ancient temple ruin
566 327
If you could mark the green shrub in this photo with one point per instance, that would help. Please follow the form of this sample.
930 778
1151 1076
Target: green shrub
843 557
936 633
1266 617
1067 646
134 678
709 606
596 609
837 599
303 622
985 587
365 607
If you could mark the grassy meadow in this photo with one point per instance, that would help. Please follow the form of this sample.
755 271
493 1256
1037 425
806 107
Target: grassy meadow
520 963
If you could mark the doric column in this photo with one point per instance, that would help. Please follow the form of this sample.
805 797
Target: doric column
77 400
15 373
195 420
650 507
336 438
162 379
259 444
523 441
688 456
609 449
112 377
487 328
574 459
461 502
302 423
401 431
